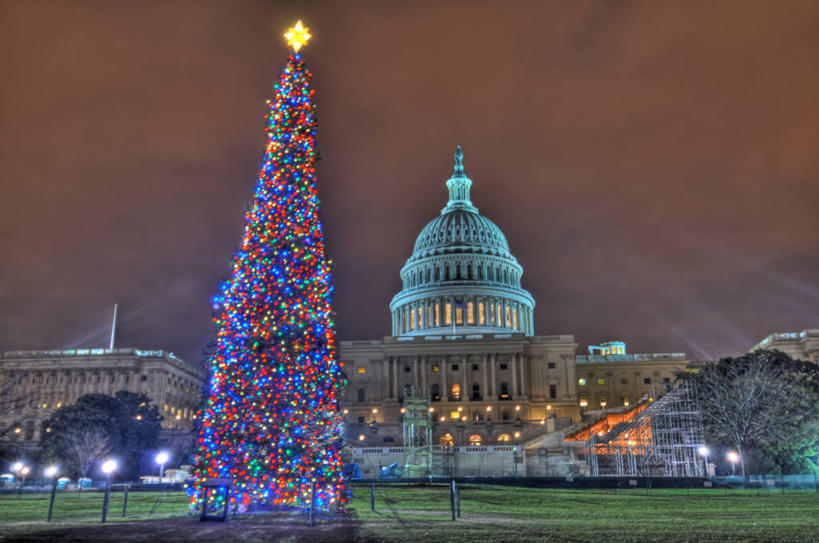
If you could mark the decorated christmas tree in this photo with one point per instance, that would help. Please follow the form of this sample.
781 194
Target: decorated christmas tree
271 423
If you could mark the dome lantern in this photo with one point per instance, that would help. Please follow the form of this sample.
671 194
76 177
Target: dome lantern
459 185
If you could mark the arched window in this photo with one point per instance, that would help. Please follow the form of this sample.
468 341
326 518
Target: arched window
505 275
476 392
504 391
389 439
480 272
469 271
475 440
489 274
504 438
458 270
446 272
470 313
437 273
446 440
435 393
456 392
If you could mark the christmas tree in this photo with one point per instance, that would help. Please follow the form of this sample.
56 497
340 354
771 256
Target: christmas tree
271 424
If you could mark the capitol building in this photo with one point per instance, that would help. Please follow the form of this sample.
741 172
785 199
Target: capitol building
463 335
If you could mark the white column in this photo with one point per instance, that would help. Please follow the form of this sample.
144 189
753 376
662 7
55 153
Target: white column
493 382
523 362
444 390
424 373
386 377
484 390
514 390
395 376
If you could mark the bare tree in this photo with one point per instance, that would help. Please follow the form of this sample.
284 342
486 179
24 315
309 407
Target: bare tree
745 400
85 447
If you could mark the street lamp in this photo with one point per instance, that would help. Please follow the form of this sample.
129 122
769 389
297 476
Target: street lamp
51 473
733 458
161 458
108 467
704 452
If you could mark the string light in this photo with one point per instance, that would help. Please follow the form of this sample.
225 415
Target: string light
272 421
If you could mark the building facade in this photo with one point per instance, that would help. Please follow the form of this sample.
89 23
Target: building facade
802 345
463 332
42 381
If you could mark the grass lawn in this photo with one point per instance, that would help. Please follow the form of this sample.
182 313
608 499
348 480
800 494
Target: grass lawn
421 513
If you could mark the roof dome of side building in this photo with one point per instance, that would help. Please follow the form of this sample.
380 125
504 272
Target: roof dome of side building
461 275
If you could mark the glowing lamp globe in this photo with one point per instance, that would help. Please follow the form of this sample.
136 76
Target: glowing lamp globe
50 471
17 466
161 458
109 466
732 457
703 451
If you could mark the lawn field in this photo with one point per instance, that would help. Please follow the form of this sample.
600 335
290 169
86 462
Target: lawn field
422 513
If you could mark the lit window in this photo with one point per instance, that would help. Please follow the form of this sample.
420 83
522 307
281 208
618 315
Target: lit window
362 369
459 315
601 381
470 313
455 415
603 402
508 317
420 317
481 313
475 440
446 440
456 391
448 314
504 438
581 382
584 402
435 367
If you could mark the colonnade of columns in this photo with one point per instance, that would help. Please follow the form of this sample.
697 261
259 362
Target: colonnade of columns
442 311
487 383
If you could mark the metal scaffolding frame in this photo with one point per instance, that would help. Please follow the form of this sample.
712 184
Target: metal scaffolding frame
662 440
417 431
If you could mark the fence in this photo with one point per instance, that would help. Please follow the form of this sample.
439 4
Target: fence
87 505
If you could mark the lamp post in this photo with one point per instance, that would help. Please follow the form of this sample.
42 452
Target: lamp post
23 470
51 473
16 468
733 458
704 452
161 459
108 467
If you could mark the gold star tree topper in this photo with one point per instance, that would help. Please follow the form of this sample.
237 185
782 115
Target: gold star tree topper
297 36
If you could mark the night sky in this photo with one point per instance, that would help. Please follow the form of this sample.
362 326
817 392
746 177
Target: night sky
653 165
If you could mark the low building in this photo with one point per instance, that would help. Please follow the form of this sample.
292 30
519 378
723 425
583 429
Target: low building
42 381
802 345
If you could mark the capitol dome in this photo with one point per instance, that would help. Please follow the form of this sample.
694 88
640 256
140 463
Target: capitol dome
461 274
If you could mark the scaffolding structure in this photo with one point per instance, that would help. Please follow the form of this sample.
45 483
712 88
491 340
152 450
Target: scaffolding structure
656 439
417 431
